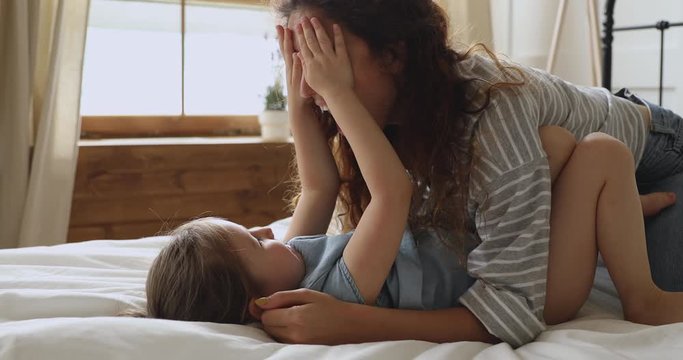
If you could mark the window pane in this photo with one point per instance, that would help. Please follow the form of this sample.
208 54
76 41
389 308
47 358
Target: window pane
133 58
132 63
230 53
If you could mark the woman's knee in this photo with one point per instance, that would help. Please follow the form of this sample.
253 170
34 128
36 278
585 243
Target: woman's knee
604 150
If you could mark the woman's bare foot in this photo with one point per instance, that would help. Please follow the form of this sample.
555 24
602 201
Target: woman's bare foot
662 308
653 203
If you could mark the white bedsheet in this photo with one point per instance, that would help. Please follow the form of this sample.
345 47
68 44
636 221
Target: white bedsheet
57 303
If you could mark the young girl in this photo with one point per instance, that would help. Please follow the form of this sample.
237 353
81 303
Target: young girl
221 281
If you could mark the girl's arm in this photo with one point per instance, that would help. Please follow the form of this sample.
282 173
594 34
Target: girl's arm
305 316
372 249
317 169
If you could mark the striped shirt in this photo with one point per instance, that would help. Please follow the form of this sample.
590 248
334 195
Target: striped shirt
510 188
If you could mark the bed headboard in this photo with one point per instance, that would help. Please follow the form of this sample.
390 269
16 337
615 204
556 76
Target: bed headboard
608 37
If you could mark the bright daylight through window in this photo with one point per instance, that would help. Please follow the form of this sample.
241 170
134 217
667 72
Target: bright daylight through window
133 58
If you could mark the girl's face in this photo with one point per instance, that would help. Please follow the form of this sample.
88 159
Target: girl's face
271 264
373 77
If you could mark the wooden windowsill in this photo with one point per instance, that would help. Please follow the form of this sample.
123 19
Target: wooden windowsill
134 187
134 126
179 141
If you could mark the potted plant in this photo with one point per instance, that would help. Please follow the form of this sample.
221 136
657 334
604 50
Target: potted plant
274 120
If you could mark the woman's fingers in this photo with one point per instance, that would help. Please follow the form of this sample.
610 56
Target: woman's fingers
303 85
280 37
285 299
297 71
285 42
284 314
288 44
310 36
321 35
339 44
276 318
289 53
279 333
302 316
303 45
262 232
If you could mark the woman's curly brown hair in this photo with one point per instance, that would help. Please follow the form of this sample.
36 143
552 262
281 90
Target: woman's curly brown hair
429 126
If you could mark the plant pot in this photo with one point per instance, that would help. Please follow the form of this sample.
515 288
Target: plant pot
274 125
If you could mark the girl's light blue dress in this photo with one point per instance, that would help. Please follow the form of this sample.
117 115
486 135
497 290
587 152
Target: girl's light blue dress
425 275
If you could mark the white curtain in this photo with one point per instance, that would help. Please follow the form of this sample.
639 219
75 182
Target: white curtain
41 59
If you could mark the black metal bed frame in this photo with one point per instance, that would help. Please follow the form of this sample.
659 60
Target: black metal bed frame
608 37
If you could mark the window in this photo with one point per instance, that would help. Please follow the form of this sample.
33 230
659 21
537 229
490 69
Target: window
142 77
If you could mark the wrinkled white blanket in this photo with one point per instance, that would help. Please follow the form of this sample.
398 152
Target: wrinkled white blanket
57 303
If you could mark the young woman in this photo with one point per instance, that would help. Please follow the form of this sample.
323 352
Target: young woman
215 270
465 127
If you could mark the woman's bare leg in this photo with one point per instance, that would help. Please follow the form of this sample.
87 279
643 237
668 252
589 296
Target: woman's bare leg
558 144
595 205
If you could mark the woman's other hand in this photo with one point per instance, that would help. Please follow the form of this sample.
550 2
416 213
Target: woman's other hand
305 316
326 65
262 232
294 72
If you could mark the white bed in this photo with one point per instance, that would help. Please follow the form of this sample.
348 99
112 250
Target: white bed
58 303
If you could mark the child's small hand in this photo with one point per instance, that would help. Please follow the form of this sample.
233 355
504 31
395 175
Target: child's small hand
326 68
294 71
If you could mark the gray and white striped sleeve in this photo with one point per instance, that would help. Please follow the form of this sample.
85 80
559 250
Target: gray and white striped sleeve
510 264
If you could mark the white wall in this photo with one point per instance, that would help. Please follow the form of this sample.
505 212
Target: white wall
470 21
522 29
636 53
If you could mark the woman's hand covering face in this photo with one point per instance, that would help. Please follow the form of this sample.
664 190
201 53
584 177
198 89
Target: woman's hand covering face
293 69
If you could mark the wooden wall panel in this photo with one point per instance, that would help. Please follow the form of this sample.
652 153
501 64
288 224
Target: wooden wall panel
130 191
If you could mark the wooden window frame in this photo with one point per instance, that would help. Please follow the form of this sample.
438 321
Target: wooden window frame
261 3
140 126
131 126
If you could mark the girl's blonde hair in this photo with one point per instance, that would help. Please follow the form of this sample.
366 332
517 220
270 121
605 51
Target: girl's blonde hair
198 277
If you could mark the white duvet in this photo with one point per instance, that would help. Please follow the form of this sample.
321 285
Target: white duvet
58 303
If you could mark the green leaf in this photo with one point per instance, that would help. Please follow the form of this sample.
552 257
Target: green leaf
275 96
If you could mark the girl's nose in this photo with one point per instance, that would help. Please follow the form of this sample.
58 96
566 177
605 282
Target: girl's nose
305 90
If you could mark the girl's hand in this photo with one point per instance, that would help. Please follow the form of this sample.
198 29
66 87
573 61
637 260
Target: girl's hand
326 67
305 316
293 71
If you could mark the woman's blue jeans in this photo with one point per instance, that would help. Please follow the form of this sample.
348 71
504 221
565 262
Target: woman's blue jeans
661 169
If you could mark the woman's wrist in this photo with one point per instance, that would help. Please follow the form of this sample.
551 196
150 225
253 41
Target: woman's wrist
298 112
369 323
357 328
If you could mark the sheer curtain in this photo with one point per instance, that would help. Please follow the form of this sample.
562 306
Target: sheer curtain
41 57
